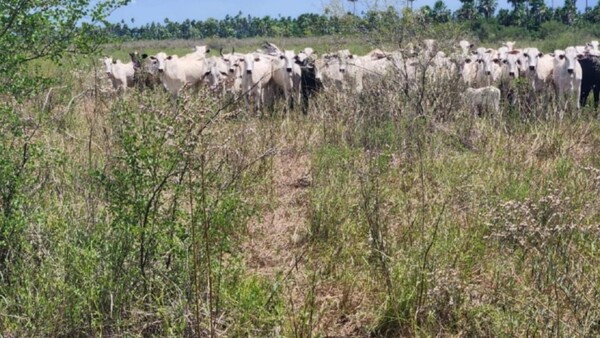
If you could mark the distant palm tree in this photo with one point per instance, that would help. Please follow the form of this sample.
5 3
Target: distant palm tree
353 6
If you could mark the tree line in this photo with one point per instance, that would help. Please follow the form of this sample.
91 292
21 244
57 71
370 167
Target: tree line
526 19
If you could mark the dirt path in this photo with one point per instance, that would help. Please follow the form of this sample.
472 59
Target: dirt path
275 240
277 250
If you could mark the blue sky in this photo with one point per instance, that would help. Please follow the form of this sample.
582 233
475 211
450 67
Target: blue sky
146 11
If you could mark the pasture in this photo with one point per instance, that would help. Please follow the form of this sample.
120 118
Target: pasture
392 212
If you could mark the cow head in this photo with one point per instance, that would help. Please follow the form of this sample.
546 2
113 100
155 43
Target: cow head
570 57
512 63
249 60
231 60
430 46
509 45
201 50
157 63
465 46
532 55
490 61
344 57
288 56
108 62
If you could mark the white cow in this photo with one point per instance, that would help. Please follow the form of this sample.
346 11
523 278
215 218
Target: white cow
216 74
483 99
480 52
377 63
405 69
467 67
465 46
306 54
538 68
430 48
178 72
370 67
198 52
489 69
233 72
256 75
567 78
502 53
286 74
120 74
581 49
348 74
327 71
592 46
443 67
510 45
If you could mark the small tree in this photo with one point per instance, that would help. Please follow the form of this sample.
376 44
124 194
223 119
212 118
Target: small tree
32 30
440 12
487 8
467 11
35 29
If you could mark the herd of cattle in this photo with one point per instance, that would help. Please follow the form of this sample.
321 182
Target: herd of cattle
259 76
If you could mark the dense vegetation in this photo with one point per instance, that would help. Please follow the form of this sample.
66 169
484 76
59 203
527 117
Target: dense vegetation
526 20
390 213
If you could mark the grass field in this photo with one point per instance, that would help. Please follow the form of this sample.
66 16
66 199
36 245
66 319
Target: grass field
390 213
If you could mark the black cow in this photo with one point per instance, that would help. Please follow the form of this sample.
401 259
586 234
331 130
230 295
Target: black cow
309 83
590 66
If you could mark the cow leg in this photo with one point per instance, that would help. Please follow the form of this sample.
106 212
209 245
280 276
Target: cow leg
585 91
304 98
291 94
596 96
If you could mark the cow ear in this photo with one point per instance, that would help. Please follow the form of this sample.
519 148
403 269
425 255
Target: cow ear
144 56
474 52
114 61
540 54
472 45
207 50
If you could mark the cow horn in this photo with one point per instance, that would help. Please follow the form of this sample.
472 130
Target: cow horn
221 51
232 50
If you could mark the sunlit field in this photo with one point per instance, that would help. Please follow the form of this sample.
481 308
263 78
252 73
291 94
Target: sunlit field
393 212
